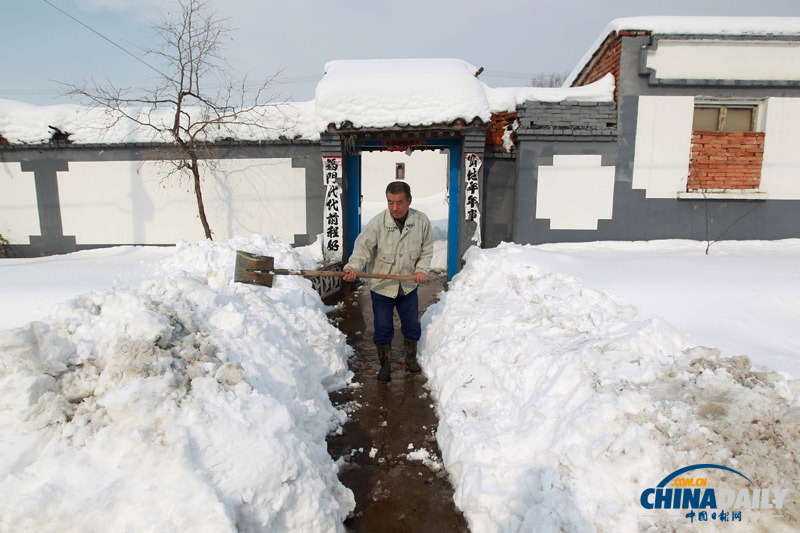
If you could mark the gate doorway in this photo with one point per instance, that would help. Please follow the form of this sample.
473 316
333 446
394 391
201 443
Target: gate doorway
431 170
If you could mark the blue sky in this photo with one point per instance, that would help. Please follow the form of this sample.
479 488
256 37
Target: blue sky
512 39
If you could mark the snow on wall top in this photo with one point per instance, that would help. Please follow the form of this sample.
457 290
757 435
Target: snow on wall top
692 26
508 98
26 123
366 93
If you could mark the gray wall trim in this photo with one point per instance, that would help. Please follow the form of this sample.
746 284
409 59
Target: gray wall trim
576 137
151 153
61 146
52 238
330 145
315 193
498 190
499 153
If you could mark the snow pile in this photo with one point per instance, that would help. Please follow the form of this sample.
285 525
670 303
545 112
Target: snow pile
691 26
217 260
188 404
741 298
426 458
32 287
26 123
558 404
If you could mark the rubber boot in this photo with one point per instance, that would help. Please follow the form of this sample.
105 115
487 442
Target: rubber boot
410 347
385 357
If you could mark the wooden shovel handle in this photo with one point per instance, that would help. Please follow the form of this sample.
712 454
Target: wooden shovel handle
330 273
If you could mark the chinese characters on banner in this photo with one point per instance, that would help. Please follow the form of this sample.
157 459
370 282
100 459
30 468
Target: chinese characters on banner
332 238
472 210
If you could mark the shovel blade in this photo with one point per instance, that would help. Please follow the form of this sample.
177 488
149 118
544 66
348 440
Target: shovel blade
253 269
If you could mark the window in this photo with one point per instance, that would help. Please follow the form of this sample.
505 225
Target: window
711 117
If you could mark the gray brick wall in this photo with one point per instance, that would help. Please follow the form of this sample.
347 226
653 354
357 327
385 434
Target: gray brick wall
579 119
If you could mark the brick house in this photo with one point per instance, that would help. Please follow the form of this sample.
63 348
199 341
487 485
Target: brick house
706 110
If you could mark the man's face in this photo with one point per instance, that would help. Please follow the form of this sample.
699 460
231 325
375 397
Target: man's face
398 204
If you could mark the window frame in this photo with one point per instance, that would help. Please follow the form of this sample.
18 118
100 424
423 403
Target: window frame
723 105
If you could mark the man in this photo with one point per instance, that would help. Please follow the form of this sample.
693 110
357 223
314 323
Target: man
399 240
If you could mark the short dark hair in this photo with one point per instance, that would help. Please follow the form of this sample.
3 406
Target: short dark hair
396 187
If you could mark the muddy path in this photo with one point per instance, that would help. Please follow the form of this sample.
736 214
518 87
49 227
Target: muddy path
387 422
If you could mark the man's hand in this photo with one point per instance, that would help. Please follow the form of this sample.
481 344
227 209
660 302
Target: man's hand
349 275
420 277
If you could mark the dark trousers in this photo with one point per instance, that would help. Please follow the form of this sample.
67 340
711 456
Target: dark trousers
383 311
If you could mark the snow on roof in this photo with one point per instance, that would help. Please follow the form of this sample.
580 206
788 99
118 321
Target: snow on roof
379 93
365 93
386 92
692 26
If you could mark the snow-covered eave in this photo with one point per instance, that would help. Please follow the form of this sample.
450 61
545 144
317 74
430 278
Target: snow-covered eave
454 125
744 26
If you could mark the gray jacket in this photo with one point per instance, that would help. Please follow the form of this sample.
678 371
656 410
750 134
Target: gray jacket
382 249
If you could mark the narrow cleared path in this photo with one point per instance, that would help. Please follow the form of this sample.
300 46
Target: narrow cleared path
387 422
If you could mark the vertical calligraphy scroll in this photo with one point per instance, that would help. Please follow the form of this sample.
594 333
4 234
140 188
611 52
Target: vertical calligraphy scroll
332 241
472 209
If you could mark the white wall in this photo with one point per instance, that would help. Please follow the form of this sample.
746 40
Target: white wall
426 173
663 145
725 59
780 174
19 215
575 192
132 203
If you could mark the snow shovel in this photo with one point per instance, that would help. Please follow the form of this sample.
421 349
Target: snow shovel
260 270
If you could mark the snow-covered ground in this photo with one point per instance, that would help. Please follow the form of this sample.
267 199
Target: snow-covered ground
560 402
152 393
742 298
30 288
181 403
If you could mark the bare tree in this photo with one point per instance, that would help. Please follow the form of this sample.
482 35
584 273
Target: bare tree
194 101
710 221
550 79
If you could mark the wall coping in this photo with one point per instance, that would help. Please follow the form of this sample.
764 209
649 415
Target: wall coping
725 194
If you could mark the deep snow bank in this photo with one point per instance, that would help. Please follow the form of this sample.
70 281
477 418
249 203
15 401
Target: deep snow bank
188 404
559 405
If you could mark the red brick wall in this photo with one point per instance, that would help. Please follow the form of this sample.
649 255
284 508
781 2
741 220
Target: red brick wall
607 59
494 135
725 160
